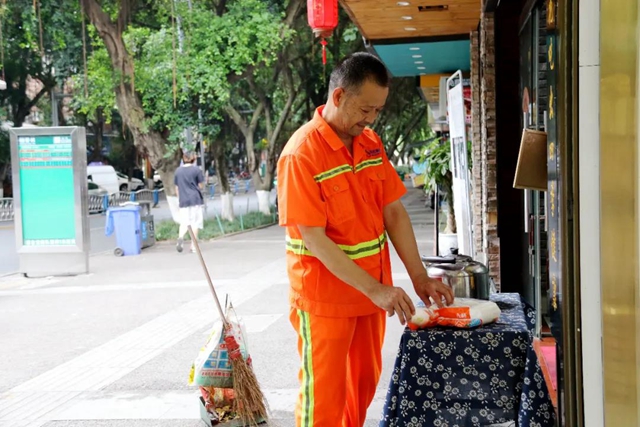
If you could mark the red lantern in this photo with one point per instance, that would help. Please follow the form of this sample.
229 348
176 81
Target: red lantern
323 19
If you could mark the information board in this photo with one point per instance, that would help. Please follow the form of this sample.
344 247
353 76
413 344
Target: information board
47 190
50 200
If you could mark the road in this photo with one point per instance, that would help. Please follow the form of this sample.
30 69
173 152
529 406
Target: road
114 348
243 203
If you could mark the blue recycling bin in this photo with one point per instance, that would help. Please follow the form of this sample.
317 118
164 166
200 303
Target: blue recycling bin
125 222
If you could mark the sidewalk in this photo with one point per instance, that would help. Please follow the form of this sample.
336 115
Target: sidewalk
243 203
113 348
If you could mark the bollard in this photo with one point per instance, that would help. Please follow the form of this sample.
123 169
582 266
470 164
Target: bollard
156 198
105 204
241 223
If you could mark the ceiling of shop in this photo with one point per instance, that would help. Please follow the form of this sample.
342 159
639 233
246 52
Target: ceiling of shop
413 59
393 19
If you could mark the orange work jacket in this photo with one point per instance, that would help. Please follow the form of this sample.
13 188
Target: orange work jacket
320 184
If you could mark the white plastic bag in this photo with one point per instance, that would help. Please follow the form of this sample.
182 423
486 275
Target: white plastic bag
463 313
174 208
212 367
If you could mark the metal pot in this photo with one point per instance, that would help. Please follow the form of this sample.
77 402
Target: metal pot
461 282
480 278
468 278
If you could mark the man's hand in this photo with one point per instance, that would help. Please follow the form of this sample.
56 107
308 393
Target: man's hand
427 287
393 300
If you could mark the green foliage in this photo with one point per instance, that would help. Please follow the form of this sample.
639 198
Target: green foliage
100 86
49 59
213 48
437 155
403 120
5 152
168 230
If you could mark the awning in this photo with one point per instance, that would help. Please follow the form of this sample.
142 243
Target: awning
380 20
413 59
418 37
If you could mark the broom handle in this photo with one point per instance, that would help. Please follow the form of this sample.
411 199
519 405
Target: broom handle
206 272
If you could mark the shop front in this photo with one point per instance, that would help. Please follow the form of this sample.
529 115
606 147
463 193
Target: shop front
568 70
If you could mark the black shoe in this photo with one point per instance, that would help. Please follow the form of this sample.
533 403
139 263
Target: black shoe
179 245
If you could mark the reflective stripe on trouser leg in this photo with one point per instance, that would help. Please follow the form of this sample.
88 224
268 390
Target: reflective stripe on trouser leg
307 384
323 344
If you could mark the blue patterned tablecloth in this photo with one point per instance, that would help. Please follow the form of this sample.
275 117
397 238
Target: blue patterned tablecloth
461 378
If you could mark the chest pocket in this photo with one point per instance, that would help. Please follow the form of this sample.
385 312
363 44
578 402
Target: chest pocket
376 181
339 200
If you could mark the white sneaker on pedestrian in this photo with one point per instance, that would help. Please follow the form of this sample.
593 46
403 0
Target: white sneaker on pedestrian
193 250
179 245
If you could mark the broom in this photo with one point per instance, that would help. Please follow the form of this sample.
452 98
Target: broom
249 403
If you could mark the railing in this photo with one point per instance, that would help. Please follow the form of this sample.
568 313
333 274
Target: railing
97 204
6 209
234 185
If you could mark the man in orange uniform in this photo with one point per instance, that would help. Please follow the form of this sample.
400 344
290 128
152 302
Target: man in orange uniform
339 198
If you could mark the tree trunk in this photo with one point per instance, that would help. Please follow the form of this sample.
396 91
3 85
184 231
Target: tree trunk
4 167
222 170
98 132
151 142
264 202
226 201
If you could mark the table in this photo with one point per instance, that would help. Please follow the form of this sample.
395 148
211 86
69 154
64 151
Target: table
448 377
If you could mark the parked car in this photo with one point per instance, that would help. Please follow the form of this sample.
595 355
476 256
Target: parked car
105 176
125 185
96 190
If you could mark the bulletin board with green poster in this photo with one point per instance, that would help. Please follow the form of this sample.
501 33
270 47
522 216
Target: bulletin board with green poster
50 200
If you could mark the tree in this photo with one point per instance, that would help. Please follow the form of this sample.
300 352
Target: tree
402 119
149 136
41 47
98 109
250 59
282 96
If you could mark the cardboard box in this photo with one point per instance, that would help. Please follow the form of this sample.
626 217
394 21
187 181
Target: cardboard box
531 170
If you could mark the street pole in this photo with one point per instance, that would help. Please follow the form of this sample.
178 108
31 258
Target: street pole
55 120
188 134
202 158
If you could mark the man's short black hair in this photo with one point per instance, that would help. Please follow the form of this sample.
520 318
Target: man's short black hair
355 69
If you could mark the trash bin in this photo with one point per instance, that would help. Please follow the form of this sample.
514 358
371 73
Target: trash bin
147 228
148 231
125 221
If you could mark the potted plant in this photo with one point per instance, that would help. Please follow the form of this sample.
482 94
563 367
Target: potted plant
437 155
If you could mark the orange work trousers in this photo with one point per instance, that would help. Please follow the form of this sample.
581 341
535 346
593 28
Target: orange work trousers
341 365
